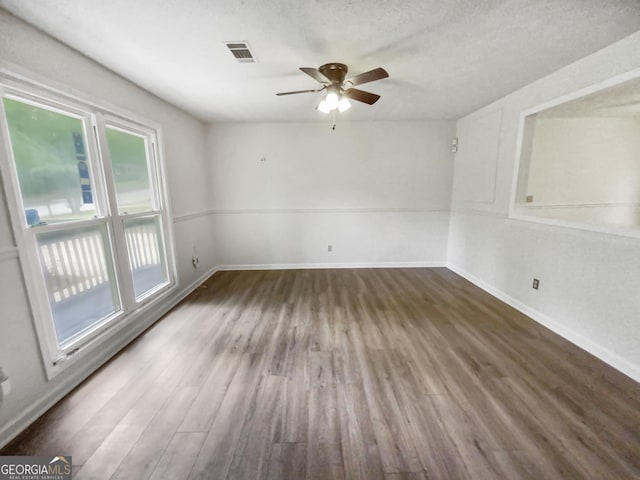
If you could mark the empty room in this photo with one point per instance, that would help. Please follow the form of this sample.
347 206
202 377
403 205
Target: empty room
350 240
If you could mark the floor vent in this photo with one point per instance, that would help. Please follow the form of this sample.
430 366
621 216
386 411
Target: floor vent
241 52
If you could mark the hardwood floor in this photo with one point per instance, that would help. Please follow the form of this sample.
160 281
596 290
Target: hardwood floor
394 374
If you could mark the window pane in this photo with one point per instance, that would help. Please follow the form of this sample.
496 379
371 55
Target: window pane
76 265
146 253
51 159
130 171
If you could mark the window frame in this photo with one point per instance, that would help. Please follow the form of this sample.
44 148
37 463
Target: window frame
522 163
158 199
95 117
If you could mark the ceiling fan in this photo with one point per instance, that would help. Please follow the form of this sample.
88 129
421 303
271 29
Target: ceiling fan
339 91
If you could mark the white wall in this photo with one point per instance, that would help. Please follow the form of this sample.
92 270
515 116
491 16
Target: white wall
585 160
586 170
589 281
378 192
26 50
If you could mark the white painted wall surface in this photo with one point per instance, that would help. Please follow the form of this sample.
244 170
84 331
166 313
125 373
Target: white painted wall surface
589 281
26 50
585 160
586 170
378 192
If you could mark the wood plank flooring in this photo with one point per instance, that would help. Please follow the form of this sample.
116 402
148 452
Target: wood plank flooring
394 374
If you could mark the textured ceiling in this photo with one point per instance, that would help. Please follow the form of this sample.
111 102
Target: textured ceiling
445 58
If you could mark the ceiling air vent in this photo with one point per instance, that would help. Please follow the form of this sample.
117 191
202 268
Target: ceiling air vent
241 52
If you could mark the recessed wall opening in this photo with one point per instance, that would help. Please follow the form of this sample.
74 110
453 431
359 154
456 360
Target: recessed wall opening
580 160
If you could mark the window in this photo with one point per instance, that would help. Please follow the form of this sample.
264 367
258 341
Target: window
90 210
580 160
138 203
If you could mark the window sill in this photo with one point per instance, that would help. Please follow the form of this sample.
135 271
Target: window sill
105 338
621 231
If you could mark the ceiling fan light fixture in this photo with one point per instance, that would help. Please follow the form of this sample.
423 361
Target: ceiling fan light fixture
323 106
332 100
344 104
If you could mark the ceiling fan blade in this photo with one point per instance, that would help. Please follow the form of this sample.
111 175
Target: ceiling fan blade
362 96
315 74
299 91
375 74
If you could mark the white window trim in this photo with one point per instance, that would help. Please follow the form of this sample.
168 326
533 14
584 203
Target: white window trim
517 213
56 360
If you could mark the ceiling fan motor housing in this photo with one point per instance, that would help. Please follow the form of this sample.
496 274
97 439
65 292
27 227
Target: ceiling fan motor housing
335 72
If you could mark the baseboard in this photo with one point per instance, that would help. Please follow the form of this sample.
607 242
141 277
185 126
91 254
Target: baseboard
315 266
604 354
104 354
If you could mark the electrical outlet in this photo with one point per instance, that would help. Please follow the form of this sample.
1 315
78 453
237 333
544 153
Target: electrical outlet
536 283
329 248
